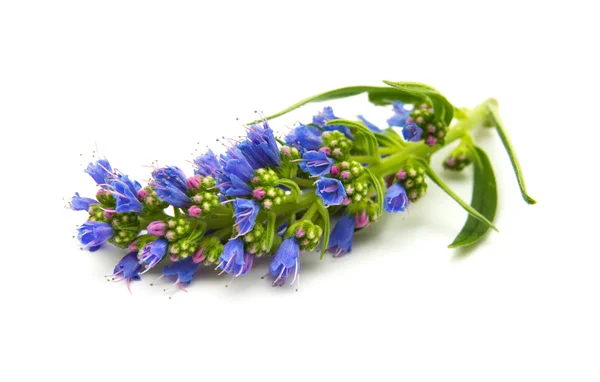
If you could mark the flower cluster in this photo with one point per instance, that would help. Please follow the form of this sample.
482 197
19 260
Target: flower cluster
265 196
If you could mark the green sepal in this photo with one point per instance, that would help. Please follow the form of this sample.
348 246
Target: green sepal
378 189
442 109
437 180
270 234
326 226
484 200
495 119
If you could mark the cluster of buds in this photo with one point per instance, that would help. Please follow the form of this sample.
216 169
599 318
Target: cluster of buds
265 189
458 159
434 132
306 233
150 201
126 227
204 195
255 241
412 177
336 145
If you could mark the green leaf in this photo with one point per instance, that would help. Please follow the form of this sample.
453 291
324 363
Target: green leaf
271 218
389 138
293 186
378 189
442 109
484 200
437 180
361 129
495 119
378 95
326 226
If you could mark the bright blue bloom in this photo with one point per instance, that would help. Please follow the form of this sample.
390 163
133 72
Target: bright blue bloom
125 193
316 163
100 171
170 176
331 191
400 116
340 241
183 269
412 132
207 164
285 261
245 212
305 137
396 199
235 174
327 115
233 260
371 126
172 195
81 204
154 251
93 234
128 268
260 147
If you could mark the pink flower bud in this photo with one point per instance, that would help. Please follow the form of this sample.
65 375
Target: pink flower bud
109 213
337 152
326 150
194 211
401 174
141 194
362 219
194 181
197 198
198 256
345 174
174 258
285 150
431 129
346 201
300 232
431 140
157 228
335 170
259 193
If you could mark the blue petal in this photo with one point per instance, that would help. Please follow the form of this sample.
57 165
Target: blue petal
286 258
100 171
305 137
331 191
396 199
183 269
316 163
340 241
412 132
400 116
207 164
129 267
245 212
81 204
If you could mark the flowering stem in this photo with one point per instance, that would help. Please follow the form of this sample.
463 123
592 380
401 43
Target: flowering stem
389 165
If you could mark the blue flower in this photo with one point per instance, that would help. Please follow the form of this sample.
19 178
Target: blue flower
170 176
183 269
396 199
153 252
371 126
245 212
316 163
125 192
100 171
260 147
327 115
93 234
305 137
81 204
400 116
207 164
331 191
412 132
128 269
285 261
233 260
172 195
340 241
235 174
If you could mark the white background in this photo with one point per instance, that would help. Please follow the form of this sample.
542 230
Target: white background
147 80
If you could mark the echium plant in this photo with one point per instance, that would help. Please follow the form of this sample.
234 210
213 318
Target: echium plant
276 197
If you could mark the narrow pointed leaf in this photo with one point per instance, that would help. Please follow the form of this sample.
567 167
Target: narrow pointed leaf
293 186
495 119
271 218
437 180
326 227
484 200
378 189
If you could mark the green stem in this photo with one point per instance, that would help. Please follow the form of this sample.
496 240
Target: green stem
389 165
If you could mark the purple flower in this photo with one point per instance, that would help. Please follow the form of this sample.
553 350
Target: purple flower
245 212
183 269
305 137
371 126
331 191
170 176
153 252
93 234
125 192
128 269
286 261
81 204
400 116
340 241
100 171
234 260
207 164
327 115
260 147
412 132
396 199
235 174
316 163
